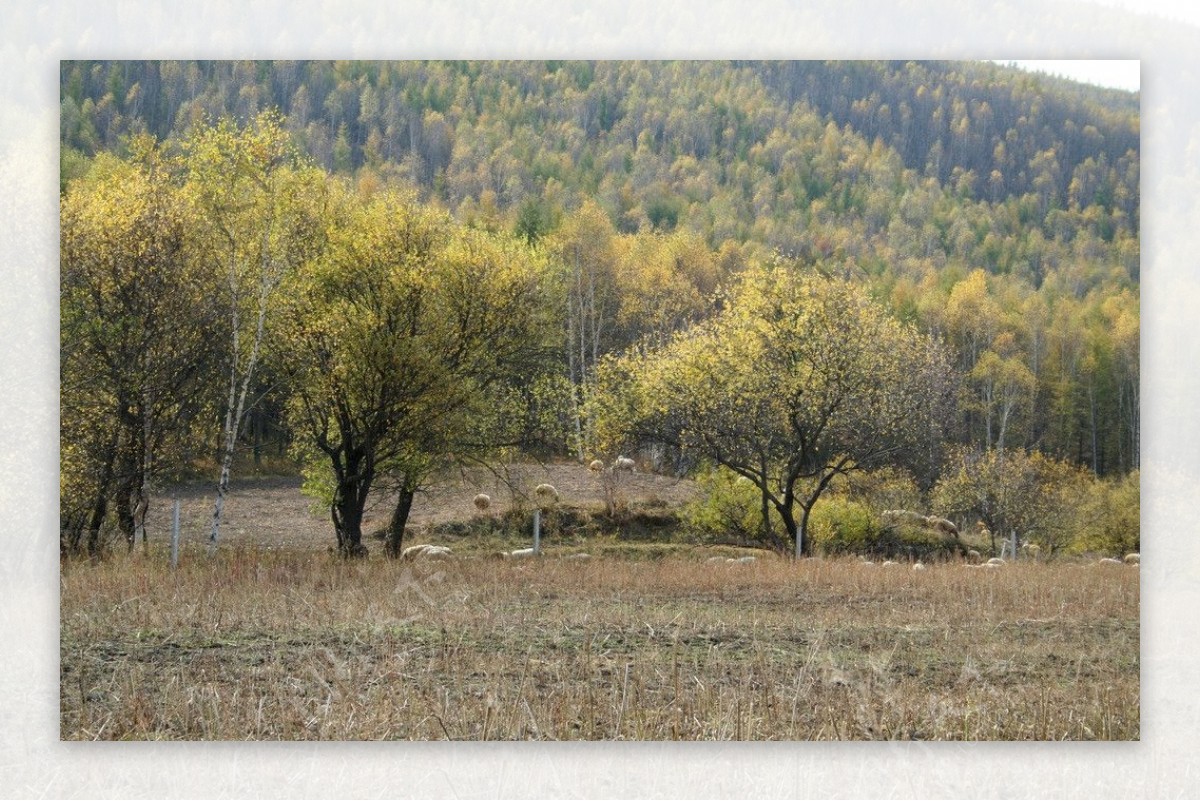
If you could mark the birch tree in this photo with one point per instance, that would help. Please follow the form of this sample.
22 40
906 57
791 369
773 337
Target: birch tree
257 200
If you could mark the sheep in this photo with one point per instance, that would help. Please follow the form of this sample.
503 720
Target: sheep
918 566
578 557
974 555
996 561
942 525
624 463
1133 558
1108 560
520 553
596 466
890 563
712 560
1031 548
426 552
546 494
743 560
482 502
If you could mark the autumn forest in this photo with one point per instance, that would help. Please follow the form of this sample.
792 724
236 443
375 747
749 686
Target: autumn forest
822 290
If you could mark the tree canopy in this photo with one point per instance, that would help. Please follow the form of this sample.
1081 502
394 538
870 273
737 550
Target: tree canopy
799 378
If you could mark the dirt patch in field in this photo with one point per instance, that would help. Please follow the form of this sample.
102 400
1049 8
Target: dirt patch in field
273 513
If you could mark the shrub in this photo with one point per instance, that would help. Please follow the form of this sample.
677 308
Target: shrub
728 505
839 525
1109 520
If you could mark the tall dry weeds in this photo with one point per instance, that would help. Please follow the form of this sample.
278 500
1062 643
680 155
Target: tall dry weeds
278 645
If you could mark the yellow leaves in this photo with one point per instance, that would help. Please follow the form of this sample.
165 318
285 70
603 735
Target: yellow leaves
793 366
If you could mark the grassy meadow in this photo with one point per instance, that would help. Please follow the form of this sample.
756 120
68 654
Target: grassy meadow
296 645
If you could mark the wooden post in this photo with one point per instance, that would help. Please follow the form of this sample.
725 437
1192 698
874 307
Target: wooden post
175 536
537 531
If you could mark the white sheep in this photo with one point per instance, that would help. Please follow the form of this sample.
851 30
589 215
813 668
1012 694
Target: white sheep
521 553
596 466
482 502
942 525
624 463
1108 560
918 566
889 563
426 552
1133 558
578 557
996 561
742 560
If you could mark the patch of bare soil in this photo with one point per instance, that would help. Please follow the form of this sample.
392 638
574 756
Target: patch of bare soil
273 513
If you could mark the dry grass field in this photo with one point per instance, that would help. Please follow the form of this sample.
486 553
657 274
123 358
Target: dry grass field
638 642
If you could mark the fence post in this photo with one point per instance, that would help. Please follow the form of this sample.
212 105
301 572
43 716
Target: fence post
175 536
537 531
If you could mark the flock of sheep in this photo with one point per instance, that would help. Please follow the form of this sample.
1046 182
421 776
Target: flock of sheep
546 496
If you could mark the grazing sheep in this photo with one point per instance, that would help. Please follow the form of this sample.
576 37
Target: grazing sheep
918 566
974 555
482 502
991 565
521 553
890 563
1108 560
995 560
623 463
942 525
578 557
712 560
946 528
1032 548
426 552
546 494
1133 558
596 466
744 560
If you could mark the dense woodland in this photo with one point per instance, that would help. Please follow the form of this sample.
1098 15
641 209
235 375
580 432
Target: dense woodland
223 219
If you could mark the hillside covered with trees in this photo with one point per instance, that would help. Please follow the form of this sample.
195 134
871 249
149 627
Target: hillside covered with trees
241 240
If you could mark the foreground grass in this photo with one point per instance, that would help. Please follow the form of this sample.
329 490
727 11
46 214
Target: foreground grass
257 645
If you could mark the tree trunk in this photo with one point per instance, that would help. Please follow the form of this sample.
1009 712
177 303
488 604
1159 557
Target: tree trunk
126 495
350 498
796 532
100 505
395 538
767 534
803 543
347 522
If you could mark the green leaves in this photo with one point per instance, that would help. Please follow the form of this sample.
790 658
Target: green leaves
409 339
